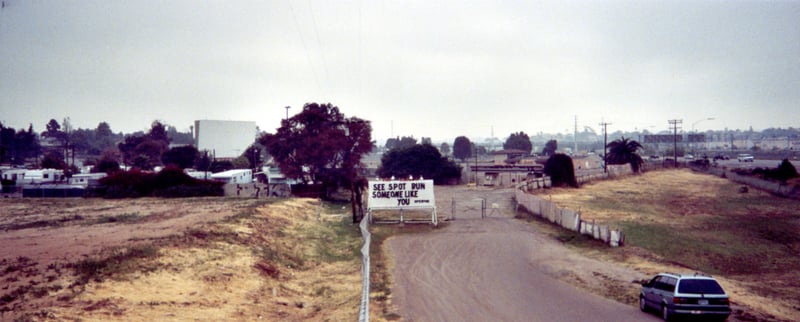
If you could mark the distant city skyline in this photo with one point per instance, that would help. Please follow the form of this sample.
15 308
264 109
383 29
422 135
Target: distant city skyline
428 69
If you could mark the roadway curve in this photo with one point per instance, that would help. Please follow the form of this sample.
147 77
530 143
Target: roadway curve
494 269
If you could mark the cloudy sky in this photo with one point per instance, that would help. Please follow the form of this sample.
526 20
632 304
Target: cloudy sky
425 68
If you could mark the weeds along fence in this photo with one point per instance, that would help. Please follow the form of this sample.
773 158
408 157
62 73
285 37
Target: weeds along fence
774 187
568 219
363 312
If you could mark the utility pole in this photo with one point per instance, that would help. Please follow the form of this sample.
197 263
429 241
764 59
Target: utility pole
287 112
605 143
674 124
575 137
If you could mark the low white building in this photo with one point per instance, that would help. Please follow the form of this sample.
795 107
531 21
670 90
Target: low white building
86 179
234 176
43 176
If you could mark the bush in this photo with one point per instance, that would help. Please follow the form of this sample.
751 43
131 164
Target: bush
561 171
171 182
128 184
786 170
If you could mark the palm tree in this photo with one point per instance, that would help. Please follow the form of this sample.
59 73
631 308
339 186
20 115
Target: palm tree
623 151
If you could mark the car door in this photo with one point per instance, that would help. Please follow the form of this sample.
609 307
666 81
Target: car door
660 291
649 290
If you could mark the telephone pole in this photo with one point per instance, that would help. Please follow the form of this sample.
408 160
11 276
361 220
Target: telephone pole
605 143
575 136
674 124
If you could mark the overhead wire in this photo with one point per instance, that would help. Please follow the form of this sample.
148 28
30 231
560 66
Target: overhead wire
319 43
305 48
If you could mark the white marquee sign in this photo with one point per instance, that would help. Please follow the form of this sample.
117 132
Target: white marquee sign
398 194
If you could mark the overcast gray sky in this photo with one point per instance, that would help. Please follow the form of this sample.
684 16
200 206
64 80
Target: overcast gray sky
426 68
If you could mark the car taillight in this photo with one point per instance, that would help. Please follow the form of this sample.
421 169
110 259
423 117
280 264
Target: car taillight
681 300
721 301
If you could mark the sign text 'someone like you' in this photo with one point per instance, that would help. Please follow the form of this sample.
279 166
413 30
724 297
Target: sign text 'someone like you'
401 194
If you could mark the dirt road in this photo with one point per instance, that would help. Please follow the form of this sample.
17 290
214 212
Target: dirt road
497 269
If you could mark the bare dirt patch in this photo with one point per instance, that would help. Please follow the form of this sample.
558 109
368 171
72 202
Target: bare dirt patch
684 222
177 259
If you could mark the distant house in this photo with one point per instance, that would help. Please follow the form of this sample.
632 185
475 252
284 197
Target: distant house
509 156
234 176
508 168
587 162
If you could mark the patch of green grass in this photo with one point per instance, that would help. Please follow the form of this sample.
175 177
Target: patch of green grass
730 247
337 241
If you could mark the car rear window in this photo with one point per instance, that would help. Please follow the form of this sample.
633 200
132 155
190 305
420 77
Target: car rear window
699 286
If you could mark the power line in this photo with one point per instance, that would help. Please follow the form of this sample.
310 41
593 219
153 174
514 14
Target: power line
319 44
303 41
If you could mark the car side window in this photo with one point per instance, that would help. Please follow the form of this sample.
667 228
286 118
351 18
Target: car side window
652 282
671 281
661 283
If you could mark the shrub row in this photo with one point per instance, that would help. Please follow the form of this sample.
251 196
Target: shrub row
171 182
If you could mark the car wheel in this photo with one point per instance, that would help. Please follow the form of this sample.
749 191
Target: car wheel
642 304
665 313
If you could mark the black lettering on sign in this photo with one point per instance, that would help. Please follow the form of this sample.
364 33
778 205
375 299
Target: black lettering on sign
418 186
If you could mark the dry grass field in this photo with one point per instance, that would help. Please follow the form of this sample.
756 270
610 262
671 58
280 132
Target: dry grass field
685 222
209 259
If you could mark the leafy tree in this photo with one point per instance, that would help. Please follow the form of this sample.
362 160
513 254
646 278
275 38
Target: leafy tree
462 148
254 154
181 156
128 147
241 163
419 160
320 144
518 141
203 162
179 137
148 154
108 162
623 151
25 145
53 160
53 129
445 148
561 170
158 133
221 166
144 151
104 137
550 147
400 143
7 142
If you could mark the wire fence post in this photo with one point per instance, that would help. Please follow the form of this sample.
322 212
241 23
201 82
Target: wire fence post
453 209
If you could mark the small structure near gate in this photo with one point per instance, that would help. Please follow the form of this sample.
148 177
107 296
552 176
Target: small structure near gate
401 195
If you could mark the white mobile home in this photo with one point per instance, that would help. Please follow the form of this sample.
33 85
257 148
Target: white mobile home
86 179
43 176
234 176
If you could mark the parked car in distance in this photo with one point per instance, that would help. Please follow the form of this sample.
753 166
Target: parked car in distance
721 157
744 157
685 294
689 157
